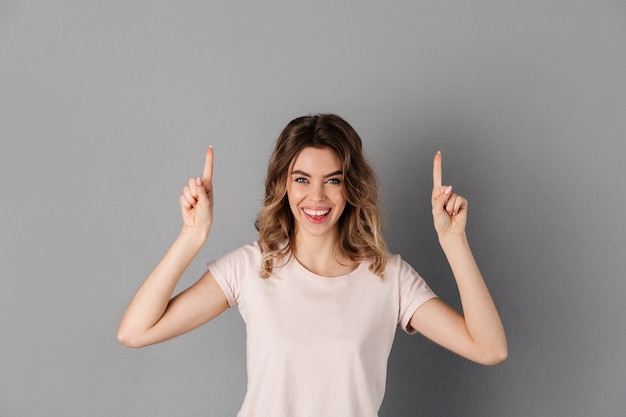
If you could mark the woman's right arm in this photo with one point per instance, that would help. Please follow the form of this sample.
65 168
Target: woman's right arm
153 315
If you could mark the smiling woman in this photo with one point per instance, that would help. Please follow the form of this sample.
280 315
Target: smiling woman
331 139
315 193
319 293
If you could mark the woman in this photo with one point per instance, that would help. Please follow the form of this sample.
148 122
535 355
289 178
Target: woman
319 293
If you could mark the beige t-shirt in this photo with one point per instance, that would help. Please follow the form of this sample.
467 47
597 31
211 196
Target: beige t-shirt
317 346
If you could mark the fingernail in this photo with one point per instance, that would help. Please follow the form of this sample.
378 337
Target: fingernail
198 181
448 190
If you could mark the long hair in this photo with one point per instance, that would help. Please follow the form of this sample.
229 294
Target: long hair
360 235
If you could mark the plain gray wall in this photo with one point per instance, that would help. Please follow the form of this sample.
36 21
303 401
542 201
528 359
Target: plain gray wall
106 108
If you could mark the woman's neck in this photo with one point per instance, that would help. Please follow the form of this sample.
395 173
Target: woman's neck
322 255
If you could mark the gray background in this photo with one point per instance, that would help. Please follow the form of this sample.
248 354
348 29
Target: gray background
106 108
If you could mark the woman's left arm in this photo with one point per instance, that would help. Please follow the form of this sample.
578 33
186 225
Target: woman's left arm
478 334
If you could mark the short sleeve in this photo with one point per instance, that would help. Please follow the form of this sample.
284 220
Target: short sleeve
414 292
233 269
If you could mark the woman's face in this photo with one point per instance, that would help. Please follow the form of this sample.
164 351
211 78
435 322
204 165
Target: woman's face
315 191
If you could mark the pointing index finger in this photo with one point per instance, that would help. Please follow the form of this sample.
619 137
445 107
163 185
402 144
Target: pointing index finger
437 170
207 176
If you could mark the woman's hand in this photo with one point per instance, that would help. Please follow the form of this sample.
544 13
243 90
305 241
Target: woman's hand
153 315
477 334
196 202
449 209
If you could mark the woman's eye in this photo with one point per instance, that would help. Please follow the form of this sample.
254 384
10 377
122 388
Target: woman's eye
334 181
301 180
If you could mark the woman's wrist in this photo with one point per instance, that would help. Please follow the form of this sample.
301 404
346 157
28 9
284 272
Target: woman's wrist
452 242
194 235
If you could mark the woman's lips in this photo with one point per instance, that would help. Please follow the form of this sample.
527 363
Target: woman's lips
316 215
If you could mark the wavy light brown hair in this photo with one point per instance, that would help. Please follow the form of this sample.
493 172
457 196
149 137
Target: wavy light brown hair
360 236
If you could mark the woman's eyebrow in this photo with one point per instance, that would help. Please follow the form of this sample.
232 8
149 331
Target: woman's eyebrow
304 174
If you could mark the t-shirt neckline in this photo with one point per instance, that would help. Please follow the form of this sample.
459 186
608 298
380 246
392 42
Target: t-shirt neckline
322 278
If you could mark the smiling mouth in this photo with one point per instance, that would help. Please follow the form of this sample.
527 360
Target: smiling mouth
316 213
316 216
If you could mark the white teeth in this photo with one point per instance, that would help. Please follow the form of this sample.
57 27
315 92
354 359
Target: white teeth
317 212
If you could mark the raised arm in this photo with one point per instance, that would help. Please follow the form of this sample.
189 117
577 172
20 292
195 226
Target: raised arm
152 315
477 334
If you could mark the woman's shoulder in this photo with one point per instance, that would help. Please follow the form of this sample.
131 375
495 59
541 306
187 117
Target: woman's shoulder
251 249
246 254
397 265
393 260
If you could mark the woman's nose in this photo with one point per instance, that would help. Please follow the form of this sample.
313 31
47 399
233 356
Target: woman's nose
317 193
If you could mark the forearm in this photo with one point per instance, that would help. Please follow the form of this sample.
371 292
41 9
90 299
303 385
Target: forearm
153 297
480 313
